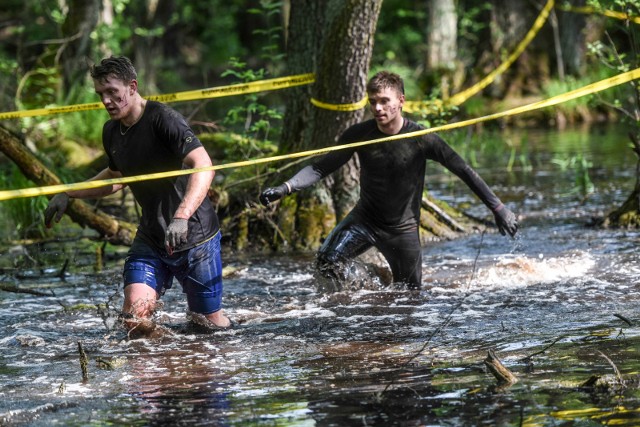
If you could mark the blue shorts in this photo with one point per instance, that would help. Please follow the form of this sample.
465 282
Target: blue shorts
199 271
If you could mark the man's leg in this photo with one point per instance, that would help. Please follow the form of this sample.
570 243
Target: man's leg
202 282
404 255
145 279
345 242
138 307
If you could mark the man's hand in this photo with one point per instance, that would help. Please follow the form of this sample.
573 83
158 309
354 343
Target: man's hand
272 194
56 208
506 221
176 234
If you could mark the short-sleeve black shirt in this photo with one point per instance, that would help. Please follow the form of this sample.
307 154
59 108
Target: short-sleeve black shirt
158 142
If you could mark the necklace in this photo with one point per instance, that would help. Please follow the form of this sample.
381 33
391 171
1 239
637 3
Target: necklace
132 124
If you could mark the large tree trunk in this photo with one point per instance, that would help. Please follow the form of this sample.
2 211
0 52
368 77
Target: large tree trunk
572 28
341 78
303 43
343 56
116 232
337 47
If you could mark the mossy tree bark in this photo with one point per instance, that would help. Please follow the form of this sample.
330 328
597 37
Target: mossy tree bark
337 47
628 215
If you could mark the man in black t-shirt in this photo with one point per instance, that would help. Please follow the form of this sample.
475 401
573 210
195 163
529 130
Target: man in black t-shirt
387 215
178 235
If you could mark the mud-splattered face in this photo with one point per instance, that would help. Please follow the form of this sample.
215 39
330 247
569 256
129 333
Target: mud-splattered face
386 106
116 96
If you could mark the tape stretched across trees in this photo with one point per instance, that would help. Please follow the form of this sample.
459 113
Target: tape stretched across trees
298 80
588 10
341 107
461 97
191 95
585 90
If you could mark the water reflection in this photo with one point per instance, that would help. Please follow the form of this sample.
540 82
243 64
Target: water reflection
550 303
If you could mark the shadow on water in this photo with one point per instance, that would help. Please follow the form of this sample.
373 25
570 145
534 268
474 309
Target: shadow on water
558 305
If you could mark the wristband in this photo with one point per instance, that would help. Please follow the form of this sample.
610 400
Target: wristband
289 190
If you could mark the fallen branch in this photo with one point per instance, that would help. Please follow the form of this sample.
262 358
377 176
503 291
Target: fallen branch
441 215
17 290
117 232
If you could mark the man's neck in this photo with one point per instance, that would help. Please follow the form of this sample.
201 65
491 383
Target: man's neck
392 128
136 112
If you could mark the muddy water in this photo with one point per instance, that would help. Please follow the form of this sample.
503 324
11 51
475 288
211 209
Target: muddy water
558 305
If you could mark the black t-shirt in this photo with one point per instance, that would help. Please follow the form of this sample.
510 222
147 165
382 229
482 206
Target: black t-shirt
157 143
392 173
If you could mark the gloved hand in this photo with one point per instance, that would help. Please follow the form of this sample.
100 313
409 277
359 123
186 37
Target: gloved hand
272 194
57 206
506 221
176 234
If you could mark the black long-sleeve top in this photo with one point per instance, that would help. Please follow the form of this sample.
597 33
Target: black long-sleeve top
392 173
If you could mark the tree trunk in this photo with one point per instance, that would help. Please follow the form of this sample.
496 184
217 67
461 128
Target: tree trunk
120 233
337 46
80 22
341 78
442 43
572 40
303 42
149 47
510 23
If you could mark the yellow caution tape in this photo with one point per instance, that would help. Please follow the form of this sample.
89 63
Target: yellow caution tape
423 107
591 10
341 107
585 90
215 92
460 97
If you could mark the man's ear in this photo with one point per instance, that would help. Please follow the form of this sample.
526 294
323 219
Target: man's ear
133 87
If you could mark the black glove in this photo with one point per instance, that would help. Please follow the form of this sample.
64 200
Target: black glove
272 194
176 234
506 221
57 206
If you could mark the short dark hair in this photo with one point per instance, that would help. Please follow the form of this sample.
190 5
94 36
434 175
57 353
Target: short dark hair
118 66
385 79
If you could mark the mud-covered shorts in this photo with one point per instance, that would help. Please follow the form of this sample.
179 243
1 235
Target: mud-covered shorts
199 271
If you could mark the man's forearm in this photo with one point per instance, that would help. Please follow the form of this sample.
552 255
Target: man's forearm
197 189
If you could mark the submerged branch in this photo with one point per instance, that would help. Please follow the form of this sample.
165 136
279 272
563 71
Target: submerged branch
18 290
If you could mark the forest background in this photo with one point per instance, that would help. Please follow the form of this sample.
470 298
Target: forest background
440 48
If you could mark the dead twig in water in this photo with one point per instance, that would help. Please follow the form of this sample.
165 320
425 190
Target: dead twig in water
624 319
504 376
447 319
527 359
84 363
615 368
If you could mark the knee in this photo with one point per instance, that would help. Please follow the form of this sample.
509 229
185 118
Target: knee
139 300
